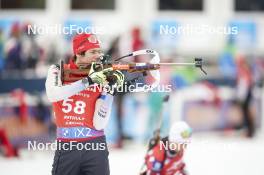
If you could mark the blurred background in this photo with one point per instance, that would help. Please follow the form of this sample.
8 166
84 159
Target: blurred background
224 108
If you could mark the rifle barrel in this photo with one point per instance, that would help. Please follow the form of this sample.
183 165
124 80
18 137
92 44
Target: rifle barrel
177 64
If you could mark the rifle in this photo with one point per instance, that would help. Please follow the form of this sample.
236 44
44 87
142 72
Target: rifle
106 63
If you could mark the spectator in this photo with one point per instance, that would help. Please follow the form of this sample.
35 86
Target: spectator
1 51
9 150
244 93
13 49
31 52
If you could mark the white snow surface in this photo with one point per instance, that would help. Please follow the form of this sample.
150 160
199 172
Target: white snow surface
208 154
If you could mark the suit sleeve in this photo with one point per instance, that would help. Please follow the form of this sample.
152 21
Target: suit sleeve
102 111
56 92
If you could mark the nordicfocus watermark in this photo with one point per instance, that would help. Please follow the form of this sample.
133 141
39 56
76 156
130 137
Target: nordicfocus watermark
66 30
172 145
190 29
72 145
201 145
137 87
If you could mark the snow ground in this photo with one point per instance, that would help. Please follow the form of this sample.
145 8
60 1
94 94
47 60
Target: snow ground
206 155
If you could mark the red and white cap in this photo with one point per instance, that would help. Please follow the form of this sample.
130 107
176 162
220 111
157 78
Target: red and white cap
83 42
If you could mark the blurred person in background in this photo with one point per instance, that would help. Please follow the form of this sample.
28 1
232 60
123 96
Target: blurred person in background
21 49
258 70
5 145
245 86
166 157
137 41
13 49
31 52
22 108
41 112
81 111
2 59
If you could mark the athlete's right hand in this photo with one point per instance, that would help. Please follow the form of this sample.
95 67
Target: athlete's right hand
98 77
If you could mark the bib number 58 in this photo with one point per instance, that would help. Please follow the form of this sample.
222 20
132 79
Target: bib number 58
78 107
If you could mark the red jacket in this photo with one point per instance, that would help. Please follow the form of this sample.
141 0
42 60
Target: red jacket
159 162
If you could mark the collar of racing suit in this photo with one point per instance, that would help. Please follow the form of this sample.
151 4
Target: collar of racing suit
72 64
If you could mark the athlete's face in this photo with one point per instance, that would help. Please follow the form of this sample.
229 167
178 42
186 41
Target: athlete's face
85 58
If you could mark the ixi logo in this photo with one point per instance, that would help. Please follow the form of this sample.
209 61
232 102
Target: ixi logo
83 132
